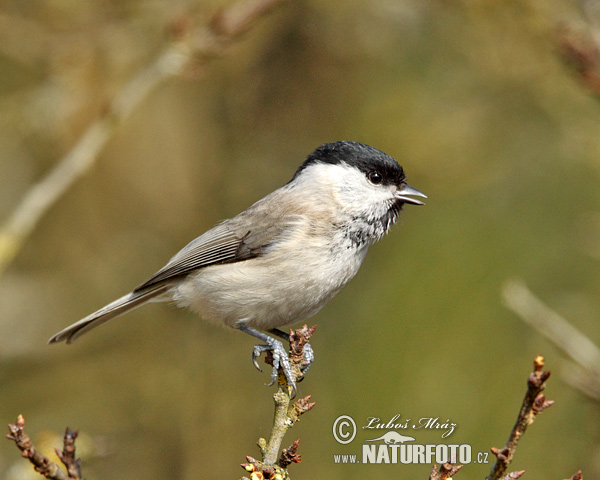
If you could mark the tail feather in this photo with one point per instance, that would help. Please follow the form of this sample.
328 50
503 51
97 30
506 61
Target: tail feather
110 311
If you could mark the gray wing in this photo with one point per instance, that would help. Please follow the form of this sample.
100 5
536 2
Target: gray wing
231 241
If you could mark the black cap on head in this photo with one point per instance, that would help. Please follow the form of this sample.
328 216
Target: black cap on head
364 157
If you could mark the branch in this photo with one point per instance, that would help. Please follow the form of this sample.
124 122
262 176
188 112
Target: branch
533 403
580 46
559 331
196 49
67 456
513 475
286 415
41 463
582 53
446 471
576 476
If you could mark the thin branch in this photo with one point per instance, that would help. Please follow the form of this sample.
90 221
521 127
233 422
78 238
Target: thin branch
67 455
580 46
559 331
533 403
582 53
513 475
41 463
446 471
195 49
576 476
286 415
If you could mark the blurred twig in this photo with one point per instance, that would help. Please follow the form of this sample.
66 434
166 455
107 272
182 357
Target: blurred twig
585 374
582 53
580 48
286 415
576 476
41 463
533 403
195 49
446 471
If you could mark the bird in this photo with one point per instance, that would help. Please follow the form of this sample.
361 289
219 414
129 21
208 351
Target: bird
282 259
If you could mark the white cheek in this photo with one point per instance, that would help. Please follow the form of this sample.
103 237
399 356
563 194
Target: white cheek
356 193
349 189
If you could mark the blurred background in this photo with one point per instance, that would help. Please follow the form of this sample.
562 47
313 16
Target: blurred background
473 98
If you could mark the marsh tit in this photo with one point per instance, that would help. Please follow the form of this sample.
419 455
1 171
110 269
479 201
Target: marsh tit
282 259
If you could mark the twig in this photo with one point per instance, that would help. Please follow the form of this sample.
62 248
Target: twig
513 475
289 455
41 463
67 456
533 403
198 48
286 415
576 476
581 52
446 471
580 47
559 331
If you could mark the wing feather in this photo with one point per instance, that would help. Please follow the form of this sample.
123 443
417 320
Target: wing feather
245 236
218 245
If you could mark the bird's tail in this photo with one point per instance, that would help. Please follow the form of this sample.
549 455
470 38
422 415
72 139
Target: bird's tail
110 311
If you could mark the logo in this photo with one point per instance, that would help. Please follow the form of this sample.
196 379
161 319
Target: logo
392 438
396 447
344 429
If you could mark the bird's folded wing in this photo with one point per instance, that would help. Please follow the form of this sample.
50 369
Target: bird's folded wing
225 243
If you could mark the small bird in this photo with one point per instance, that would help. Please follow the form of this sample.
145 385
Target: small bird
282 259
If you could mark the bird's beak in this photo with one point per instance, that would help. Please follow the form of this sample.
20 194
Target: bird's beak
405 192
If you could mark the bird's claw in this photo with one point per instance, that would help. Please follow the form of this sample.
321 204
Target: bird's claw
256 353
280 360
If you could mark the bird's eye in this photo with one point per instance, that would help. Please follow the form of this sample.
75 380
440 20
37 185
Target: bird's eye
375 178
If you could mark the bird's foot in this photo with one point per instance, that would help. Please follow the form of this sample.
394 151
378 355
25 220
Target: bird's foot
292 366
301 352
278 355
279 359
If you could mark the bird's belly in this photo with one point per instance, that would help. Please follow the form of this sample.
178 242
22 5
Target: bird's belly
266 293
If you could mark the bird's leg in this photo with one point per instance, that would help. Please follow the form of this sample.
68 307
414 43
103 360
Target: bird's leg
307 352
280 355
280 333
